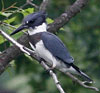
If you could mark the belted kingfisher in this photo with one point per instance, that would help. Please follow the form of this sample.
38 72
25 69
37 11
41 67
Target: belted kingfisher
47 45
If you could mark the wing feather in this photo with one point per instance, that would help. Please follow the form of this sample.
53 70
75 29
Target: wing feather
56 47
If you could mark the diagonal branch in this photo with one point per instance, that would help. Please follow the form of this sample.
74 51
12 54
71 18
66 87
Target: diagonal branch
67 15
54 77
12 6
29 2
81 83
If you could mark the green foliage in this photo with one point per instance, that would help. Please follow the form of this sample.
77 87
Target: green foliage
1 39
81 36
27 11
2 16
49 20
15 16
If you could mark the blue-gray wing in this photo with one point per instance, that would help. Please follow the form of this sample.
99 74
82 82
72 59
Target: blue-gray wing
56 47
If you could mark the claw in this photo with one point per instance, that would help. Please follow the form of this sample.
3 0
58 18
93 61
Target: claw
22 49
53 66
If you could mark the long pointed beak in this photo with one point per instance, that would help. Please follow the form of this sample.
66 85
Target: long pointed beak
18 29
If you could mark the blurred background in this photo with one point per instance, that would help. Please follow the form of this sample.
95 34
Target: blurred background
81 35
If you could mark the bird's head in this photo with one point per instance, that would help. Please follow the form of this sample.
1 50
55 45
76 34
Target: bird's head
32 20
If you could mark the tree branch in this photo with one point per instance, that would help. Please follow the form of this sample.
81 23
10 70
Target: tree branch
67 15
29 2
81 83
54 77
43 5
34 5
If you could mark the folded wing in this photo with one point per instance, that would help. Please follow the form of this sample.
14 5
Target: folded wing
56 47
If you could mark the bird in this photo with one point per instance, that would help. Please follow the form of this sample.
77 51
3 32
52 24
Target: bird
47 45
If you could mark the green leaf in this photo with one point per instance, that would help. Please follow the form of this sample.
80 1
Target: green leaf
5 14
49 20
16 16
27 11
2 17
62 28
1 39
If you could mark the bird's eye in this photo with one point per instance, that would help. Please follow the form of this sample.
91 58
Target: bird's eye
27 22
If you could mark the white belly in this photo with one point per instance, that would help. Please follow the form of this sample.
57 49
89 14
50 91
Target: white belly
42 52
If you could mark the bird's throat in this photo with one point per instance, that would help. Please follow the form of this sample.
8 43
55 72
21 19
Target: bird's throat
38 29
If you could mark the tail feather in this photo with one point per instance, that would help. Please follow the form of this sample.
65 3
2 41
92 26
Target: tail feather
86 77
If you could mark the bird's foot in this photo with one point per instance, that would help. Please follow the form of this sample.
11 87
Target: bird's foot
23 50
53 66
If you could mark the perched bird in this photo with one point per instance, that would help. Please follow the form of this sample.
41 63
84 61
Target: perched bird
47 45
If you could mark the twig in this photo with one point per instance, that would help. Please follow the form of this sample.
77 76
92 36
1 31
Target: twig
11 26
14 42
31 53
7 24
29 2
23 5
53 76
43 5
2 2
34 5
81 83
12 6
